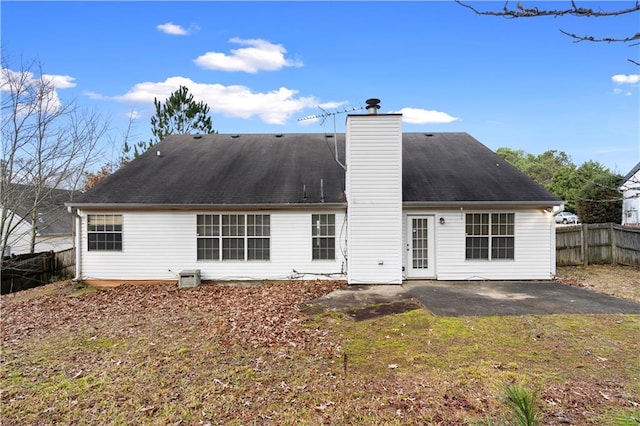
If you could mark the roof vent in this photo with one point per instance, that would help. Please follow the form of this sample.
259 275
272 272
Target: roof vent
197 136
373 105
279 135
428 135
328 136
235 136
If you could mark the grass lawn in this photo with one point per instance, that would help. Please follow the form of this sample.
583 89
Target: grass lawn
251 355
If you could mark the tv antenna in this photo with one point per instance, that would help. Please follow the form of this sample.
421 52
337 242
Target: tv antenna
323 118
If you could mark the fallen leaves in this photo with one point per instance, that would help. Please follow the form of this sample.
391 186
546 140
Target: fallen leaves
264 315
614 280
220 354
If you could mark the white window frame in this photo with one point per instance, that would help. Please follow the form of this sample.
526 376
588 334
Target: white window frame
498 227
111 224
323 229
229 230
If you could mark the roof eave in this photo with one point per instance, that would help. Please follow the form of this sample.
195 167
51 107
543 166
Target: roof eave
192 207
458 204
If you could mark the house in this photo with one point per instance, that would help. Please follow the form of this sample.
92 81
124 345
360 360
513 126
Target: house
373 205
53 223
630 188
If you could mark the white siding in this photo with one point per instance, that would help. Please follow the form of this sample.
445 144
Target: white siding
534 247
46 243
20 239
631 200
374 197
158 245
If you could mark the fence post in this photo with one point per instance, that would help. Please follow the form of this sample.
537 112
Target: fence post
614 244
585 245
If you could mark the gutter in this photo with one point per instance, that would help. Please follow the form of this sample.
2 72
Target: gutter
487 203
76 242
192 207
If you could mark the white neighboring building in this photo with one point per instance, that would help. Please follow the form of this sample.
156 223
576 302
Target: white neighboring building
258 206
54 224
631 197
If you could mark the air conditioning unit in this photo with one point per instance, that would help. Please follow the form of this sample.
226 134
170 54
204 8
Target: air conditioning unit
189 278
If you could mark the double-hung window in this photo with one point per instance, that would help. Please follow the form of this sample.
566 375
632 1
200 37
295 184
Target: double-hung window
233 237
490 236
323 232
208 231
233 234
104 232
258 232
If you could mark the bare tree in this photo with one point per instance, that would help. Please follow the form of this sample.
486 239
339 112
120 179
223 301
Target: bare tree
521 11
46 146
93 177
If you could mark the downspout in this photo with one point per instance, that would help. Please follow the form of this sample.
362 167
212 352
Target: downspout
554 266
77 244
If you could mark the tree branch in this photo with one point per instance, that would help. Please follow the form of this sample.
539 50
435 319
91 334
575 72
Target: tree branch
530 12
578 38
521 11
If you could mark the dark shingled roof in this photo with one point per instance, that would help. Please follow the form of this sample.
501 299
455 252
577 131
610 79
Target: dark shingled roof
227 169
453 167
630 174
53 217
254 169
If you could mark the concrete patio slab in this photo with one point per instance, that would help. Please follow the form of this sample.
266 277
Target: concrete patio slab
481 298
359 296
484 298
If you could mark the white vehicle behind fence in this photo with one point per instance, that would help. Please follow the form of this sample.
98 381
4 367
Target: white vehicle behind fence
567 218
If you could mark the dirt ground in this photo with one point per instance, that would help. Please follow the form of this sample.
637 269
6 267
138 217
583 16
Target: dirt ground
619 281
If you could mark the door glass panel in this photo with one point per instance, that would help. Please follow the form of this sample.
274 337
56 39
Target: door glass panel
420 246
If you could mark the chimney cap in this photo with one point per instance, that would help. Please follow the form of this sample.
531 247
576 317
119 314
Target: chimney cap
373 105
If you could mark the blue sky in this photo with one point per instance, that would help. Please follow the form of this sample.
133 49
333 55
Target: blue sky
260 66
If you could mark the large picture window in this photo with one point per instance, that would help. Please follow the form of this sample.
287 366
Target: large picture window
490 236
233 237
104 232
323 232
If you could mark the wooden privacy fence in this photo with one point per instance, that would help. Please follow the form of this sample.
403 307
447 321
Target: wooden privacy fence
599 243
31 270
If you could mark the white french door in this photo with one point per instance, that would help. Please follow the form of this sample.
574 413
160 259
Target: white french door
420 246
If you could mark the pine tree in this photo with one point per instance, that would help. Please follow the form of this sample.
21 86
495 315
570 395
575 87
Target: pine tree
179 114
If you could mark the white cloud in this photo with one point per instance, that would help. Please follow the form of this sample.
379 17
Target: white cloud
11 81
54 81
133 114
622 92
332 105
172 29
261 55
273 107
626 79
94 95
423 116
59 81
